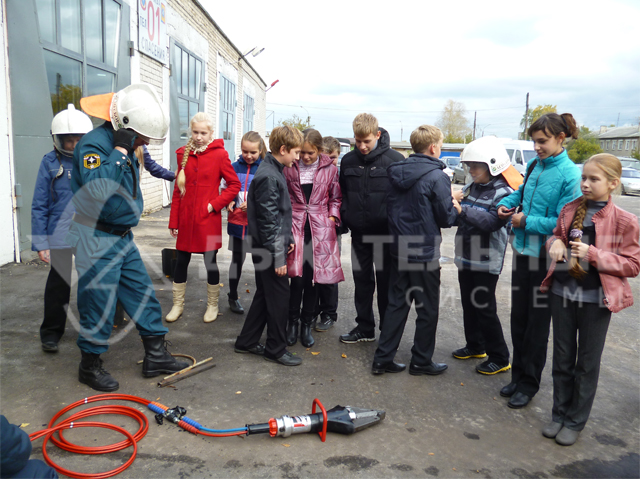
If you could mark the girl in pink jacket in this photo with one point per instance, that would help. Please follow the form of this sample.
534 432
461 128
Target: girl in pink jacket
593 249
315 201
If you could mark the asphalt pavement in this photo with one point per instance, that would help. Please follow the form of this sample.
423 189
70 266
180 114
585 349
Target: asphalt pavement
454 425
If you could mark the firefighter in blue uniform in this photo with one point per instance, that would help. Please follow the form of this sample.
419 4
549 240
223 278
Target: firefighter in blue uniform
108 203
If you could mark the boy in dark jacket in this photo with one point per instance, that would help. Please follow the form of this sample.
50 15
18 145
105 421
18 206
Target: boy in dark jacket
269 218
365 185
419 205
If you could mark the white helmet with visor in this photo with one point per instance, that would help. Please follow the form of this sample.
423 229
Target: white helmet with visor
139 108
69 122
488 150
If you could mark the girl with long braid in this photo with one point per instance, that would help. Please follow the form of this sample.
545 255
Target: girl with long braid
600 242
195 219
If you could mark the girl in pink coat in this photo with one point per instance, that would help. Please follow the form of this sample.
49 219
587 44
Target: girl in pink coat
594 248
315 201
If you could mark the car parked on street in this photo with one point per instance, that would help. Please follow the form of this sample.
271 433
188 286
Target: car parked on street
459 175
630 182
450 163
629 162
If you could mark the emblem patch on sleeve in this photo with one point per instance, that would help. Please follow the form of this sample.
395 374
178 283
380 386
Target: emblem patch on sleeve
91 161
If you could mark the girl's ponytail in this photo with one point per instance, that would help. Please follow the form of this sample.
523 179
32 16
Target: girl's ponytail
181 180
263 149
575 269
572 127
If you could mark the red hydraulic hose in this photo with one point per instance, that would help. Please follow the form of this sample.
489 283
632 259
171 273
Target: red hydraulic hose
71 422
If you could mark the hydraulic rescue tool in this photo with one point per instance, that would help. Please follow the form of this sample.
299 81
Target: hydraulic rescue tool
339 419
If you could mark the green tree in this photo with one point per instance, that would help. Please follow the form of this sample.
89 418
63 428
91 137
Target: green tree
536 113
453 122
67 94
296 122
636 154
584 146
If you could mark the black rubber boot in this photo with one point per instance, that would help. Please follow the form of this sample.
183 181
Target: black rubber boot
92 374
292 331
157 359
306 338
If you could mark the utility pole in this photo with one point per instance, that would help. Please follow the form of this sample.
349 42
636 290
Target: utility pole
475 114
526 119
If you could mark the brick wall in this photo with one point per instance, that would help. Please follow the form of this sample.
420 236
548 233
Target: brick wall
151 73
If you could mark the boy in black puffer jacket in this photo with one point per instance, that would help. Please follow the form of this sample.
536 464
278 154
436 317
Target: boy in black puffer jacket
420 204
365 185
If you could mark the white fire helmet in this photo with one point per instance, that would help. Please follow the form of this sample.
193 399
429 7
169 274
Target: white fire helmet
487 150
69 122
139 108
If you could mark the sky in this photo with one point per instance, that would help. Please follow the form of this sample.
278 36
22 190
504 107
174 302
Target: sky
403 60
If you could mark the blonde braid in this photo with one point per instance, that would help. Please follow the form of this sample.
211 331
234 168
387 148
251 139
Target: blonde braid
575 269
181 181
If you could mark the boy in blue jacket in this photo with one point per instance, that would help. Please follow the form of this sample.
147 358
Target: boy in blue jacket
419 205
51 213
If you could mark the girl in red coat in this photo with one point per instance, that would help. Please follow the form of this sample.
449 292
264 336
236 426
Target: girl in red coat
195 210
315 201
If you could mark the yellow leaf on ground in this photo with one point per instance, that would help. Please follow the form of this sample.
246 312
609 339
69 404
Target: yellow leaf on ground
286 445
315 353
461 384
238 392
344 355
22 425
432 454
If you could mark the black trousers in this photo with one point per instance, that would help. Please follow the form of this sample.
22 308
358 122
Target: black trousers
482 327
269 307
302 288
579 334
530 322
238 255
369 268
182 266
328 300
56 296
423 288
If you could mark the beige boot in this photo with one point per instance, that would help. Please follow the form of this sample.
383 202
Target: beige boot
213 293
178 302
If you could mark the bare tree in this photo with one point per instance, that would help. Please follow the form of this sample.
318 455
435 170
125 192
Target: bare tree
453 122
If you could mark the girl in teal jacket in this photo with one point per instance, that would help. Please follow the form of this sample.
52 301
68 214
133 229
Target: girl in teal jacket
552 180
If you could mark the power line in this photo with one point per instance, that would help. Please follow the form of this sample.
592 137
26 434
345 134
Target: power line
386 111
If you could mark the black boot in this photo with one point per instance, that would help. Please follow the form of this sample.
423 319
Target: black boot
234 305
157 359
91 373
292 331
306 324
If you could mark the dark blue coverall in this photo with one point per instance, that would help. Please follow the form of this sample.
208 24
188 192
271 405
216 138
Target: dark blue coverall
107 196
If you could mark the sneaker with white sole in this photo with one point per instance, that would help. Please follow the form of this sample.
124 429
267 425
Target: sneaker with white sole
491 368
355 336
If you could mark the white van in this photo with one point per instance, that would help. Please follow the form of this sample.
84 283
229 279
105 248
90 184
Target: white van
520 151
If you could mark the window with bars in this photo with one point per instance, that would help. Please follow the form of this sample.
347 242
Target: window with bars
80 39
186 68
249 112
228 104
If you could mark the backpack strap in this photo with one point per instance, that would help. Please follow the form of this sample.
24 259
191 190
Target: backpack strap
526 177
